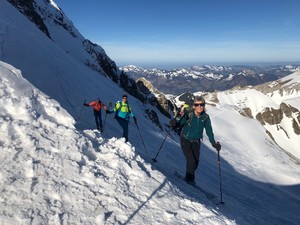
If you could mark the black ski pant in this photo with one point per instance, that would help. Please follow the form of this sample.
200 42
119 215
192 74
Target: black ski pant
98 119
124 124
191 151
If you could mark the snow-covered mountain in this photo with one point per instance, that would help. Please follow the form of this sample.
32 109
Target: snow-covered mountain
274 104
55 169
60 53
63 54
208 77
52 22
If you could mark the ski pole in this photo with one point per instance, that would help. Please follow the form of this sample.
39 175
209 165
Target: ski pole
81 111
154 159
168 132
141 138
219 165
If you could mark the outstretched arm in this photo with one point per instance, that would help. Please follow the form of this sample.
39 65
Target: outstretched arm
104 106
117 105
210 134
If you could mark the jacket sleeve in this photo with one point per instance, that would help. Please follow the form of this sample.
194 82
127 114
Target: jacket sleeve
131 113
209 131
110 111
92 103
104 106
181 120
117 106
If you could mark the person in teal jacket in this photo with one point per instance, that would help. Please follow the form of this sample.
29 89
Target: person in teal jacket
123 113
192 125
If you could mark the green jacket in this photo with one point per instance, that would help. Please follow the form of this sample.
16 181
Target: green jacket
192 128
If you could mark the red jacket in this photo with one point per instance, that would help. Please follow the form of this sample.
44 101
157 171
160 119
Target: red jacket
97 105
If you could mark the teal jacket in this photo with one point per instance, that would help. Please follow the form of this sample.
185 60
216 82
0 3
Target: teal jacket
122 110
192 128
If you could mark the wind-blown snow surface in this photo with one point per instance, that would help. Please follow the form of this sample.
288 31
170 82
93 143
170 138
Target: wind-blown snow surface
52 173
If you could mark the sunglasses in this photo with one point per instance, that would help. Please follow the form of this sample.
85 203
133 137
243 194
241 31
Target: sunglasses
199 104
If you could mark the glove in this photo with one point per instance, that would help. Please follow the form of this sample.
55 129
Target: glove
107 111
217 146
134 118
173 123
85 104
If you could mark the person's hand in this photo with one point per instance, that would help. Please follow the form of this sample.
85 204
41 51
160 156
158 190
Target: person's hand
85 104
217 146
135 120
173 123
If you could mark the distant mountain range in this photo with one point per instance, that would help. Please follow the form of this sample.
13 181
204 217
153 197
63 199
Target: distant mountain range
208 77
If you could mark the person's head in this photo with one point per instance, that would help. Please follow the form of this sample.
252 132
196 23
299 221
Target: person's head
124 98
98 100
199 104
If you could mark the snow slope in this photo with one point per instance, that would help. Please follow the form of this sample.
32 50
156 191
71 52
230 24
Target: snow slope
257 101
56 67
55 174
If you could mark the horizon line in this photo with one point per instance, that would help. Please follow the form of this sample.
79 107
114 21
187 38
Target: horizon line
172 65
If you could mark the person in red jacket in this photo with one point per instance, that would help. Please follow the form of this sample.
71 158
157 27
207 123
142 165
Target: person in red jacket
97 104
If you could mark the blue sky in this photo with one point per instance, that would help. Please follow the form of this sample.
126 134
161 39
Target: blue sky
179 32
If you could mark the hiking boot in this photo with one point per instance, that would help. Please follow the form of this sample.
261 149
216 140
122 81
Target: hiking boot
192 183
190 179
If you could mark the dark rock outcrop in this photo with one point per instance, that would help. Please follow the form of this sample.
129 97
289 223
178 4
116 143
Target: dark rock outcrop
274 116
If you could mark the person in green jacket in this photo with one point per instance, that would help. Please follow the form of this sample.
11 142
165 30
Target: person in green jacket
123 113
192 125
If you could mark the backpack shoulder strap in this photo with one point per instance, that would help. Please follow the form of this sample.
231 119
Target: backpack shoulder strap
189 116
129 108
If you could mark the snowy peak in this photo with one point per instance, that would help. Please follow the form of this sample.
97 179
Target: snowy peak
50 41
61 59
52 21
